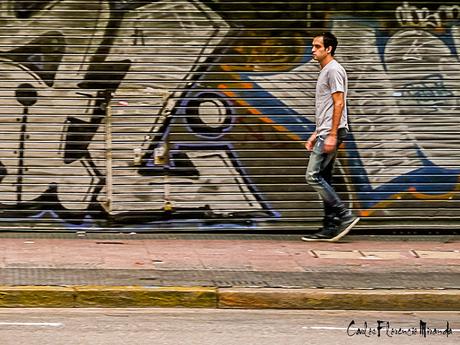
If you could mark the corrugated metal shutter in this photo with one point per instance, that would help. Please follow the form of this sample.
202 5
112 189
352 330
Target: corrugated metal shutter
191 115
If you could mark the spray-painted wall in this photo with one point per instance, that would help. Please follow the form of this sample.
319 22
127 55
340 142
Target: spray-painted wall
144 114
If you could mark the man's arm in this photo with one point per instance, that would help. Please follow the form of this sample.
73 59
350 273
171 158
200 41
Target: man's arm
330 143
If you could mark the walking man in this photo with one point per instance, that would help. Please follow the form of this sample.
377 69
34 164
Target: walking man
331 130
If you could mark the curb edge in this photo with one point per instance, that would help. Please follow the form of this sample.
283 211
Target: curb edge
226 298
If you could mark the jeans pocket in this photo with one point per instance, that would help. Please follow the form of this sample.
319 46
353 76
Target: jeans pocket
318 148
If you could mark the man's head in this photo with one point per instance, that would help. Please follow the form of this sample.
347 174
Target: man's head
324 46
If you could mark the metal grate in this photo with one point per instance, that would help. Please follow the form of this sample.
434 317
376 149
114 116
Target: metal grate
144 116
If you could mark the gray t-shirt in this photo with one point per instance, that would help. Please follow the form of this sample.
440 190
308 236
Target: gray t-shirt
331 79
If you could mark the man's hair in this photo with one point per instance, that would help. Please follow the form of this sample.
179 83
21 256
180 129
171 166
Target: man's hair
329 40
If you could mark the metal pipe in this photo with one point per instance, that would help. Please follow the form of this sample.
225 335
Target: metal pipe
108 153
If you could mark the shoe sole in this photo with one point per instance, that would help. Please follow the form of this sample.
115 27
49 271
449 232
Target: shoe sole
345 231
306 239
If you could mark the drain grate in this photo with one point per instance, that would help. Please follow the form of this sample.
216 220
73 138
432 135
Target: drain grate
241 283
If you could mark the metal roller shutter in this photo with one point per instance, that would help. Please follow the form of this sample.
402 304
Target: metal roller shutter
192 115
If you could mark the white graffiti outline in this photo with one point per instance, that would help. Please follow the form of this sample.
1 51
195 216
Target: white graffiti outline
412 16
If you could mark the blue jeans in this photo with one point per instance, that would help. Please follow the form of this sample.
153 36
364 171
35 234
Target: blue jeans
319 177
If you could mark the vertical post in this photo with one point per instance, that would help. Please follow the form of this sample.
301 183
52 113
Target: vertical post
108 151
27 96
168 206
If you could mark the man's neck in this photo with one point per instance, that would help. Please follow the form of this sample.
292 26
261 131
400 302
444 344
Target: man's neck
326 60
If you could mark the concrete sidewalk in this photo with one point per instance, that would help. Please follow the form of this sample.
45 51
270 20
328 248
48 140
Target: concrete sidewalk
229 271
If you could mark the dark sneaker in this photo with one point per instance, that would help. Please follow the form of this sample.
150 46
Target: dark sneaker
325 234
333 234
345 224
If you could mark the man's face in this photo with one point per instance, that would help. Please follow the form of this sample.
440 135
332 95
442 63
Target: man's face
319 52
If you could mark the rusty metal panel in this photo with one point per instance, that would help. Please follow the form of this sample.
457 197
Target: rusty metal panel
141 115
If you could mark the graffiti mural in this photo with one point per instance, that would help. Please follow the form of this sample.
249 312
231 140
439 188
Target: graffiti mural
125 113
395 98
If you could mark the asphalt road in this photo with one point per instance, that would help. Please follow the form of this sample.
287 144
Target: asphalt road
222 327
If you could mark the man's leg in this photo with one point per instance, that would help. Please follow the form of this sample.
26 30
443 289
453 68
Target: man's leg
314 176
329 212
317 173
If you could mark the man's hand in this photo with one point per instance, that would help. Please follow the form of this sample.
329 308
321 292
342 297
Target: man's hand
330 144
310 143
